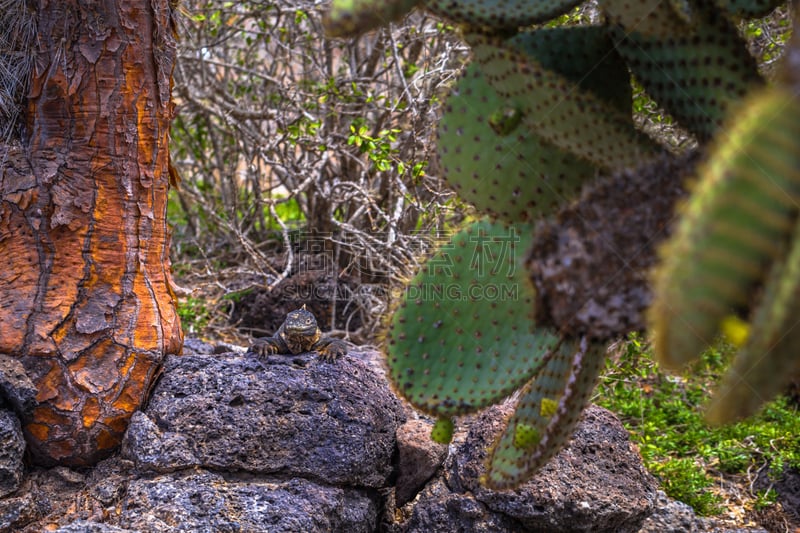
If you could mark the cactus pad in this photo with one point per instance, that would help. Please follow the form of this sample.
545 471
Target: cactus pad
498 165
558 109
536 430
695 76
768 361
736 223
348 18
500 14
584 55
749 8
658 19
463 336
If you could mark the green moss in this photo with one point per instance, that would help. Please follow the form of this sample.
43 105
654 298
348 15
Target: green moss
664 414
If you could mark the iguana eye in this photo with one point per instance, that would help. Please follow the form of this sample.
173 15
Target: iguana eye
308 321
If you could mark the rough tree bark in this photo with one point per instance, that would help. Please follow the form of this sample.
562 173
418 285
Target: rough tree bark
85 289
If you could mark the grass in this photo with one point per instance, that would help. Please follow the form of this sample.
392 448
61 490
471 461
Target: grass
664 414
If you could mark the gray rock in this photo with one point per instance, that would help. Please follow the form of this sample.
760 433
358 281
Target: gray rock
287 415
87 526
108 481
225 347
78 501
193 346
46 496
15 385
672 516
418 459
12 448
734 530
205 501
67 476
19 511
156 450
373 357
597 483
439 510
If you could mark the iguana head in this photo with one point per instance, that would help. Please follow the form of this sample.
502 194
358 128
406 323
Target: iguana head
300 322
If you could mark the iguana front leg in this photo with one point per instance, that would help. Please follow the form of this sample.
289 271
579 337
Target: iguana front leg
268 346
330 349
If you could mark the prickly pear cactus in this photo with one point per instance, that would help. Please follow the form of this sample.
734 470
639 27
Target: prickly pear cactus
557 109
739 230
496 163
748 8
584 55
772 344
489 152
736 223
546 415
697 72
501 15
463 337
351 17
657 19
537 115
442 431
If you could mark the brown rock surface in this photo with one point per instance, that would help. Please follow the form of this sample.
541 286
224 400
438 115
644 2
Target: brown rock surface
418 459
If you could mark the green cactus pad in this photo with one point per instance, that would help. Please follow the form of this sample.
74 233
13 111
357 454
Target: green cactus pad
463 336
769 360
749 8
495 164
569 376
584 55
558 110
653 18
349 18
528 418
696 77
442 431
734 225
500 15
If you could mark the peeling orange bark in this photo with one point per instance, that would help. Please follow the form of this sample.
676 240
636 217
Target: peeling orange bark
85 290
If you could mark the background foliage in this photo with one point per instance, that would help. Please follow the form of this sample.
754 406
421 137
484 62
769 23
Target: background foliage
281 130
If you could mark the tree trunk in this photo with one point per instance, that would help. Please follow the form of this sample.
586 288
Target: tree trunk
85 290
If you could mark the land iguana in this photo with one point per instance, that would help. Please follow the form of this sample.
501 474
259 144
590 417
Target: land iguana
299 333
